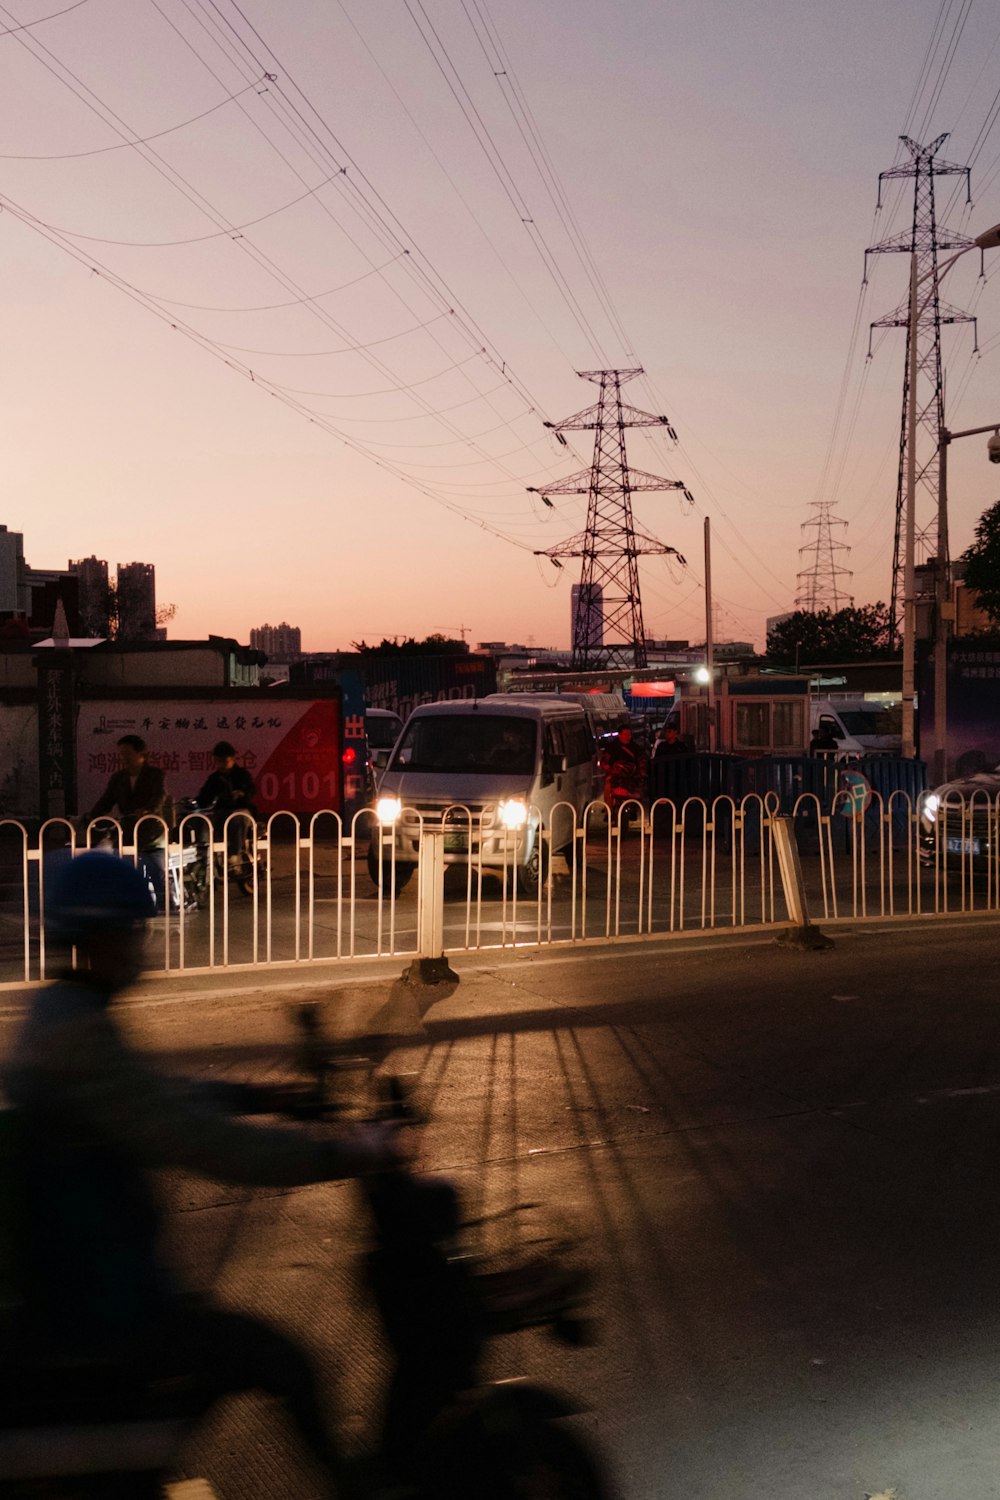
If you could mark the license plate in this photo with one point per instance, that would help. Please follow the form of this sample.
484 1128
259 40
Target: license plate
456 843
963 846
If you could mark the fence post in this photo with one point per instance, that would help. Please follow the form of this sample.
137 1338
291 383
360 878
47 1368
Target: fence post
430 965
801 932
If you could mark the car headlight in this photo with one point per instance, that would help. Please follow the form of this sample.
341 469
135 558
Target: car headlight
387 810
930 808
513 813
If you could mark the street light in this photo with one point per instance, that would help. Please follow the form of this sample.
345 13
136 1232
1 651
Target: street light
988 240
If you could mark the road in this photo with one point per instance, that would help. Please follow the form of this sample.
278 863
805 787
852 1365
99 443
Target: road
784 1164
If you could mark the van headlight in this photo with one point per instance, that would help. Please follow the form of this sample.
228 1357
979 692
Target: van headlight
513 813
387 810
931 805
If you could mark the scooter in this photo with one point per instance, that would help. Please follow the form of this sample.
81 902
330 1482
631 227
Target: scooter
96 1432
188 864
446 1433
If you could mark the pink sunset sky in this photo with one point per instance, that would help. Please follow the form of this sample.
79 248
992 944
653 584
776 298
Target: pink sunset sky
412 223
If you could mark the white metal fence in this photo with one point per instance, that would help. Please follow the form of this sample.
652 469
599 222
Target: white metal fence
303 892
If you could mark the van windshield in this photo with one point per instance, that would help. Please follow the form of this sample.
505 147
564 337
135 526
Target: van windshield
467 744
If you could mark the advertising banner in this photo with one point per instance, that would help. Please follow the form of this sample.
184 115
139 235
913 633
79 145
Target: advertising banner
292 748
973 706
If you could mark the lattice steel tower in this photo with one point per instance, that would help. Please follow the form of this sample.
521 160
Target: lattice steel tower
822 583
610 546
924 239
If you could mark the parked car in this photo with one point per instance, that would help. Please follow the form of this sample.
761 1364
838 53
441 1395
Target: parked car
960 822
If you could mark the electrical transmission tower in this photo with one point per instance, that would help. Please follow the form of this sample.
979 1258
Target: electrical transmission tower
924 240
607 627
822 582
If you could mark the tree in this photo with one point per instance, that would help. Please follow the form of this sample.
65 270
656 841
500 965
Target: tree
982 562
432 645
858 633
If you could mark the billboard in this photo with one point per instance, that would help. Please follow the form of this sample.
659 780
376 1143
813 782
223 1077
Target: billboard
291 747
973 705
400 682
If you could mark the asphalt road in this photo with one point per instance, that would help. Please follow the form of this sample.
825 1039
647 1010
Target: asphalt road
784 1165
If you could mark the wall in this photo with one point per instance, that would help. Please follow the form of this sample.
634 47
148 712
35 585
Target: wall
199 667
18 760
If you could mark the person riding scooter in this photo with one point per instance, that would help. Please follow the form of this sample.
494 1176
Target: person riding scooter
94 1119
624 769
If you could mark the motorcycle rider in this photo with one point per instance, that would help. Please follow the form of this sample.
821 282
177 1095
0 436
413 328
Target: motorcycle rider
624 768
137 791
229 789
94 1117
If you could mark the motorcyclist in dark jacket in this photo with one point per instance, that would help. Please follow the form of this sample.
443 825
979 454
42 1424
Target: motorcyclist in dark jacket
93 1119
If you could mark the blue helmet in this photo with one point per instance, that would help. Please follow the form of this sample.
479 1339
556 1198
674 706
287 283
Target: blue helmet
97 892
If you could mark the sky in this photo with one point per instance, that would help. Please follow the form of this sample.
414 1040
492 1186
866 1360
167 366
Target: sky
291 290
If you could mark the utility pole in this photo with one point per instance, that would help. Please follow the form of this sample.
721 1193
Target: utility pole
607 627
923 388
710 639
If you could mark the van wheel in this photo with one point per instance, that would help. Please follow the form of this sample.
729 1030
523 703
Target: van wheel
403 873
534 873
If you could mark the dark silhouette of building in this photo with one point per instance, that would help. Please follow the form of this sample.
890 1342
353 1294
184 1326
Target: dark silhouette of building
94 595
279 642
136 591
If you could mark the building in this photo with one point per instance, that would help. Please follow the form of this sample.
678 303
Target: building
29 596
93 595
13 585
587 614
136 591
278 642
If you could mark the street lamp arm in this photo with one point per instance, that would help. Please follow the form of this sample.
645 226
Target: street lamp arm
988 240
949 437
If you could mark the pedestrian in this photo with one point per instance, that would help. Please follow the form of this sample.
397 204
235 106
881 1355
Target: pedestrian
824 741
669 743
95 1120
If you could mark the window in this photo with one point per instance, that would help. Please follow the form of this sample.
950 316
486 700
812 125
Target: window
753 726
788 726
579 745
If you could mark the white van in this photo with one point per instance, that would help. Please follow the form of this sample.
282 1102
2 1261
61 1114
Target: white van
605 713
492 772
824 715
877 726
382 728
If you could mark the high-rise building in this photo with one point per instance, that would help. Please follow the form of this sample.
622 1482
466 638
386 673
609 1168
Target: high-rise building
13 581
587 600
94 595
279 642
136 589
